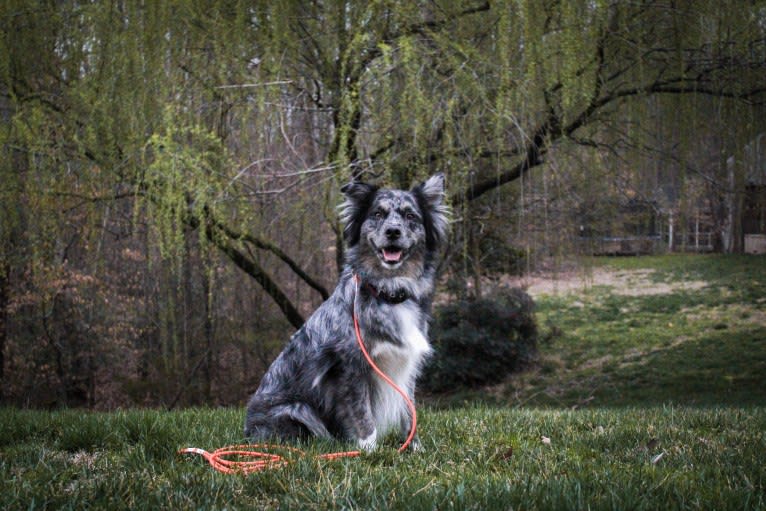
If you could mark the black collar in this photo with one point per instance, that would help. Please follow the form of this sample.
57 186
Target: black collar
394 298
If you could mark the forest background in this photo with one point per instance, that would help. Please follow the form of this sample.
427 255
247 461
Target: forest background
170 171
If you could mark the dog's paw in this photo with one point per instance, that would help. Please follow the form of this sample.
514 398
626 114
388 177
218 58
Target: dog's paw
370 443
415 445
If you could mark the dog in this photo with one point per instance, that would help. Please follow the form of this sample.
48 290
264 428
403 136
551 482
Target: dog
320 385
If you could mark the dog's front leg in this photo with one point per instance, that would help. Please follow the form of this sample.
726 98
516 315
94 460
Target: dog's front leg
406 427
356 414
370 442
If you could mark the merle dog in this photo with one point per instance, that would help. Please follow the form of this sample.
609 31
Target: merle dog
321 385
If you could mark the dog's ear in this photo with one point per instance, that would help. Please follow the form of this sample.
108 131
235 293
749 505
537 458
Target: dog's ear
432 190
359 197
358 191
430 197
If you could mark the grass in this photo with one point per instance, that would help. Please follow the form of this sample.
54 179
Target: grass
478 457
642 402
698 338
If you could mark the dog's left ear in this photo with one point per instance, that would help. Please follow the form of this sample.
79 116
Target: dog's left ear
430 196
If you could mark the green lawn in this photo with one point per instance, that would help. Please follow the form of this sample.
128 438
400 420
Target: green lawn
673 329
650 401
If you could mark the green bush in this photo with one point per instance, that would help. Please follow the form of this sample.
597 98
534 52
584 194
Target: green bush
480 342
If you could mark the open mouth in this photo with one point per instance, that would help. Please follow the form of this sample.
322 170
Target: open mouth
391 255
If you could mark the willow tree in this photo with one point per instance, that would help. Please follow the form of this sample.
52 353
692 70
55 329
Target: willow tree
487 96
486 91
234 123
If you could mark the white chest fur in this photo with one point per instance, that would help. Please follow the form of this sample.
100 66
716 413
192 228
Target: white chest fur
400 362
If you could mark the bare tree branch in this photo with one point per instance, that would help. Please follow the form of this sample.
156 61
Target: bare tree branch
265 245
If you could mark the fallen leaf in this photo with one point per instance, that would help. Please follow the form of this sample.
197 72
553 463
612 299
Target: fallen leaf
507 454
546 440
657 458
651 444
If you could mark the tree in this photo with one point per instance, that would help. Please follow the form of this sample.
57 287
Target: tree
235 123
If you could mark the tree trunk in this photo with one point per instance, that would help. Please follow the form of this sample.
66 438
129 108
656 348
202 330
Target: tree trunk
475 258
207 367
4 299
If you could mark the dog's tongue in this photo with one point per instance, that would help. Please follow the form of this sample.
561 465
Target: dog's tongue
392 256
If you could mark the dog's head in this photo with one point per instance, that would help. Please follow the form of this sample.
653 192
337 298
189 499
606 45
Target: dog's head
394 232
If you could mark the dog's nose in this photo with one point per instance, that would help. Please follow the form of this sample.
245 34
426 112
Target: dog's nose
393 233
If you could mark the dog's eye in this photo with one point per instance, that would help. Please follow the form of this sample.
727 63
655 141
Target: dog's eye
378 215
410 217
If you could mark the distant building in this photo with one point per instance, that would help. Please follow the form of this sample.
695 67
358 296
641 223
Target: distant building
745 229
629 227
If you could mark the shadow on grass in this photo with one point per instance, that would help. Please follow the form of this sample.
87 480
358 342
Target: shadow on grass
708 371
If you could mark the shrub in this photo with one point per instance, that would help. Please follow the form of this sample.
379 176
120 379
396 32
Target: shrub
480 342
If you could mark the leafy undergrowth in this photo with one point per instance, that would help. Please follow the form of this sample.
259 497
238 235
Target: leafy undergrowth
639 401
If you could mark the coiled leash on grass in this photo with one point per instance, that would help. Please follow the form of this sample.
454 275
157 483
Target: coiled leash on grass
259 457
256 457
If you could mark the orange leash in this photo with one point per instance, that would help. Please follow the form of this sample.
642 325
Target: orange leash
256 457
259 456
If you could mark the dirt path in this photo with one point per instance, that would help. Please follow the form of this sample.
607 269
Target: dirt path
622 282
